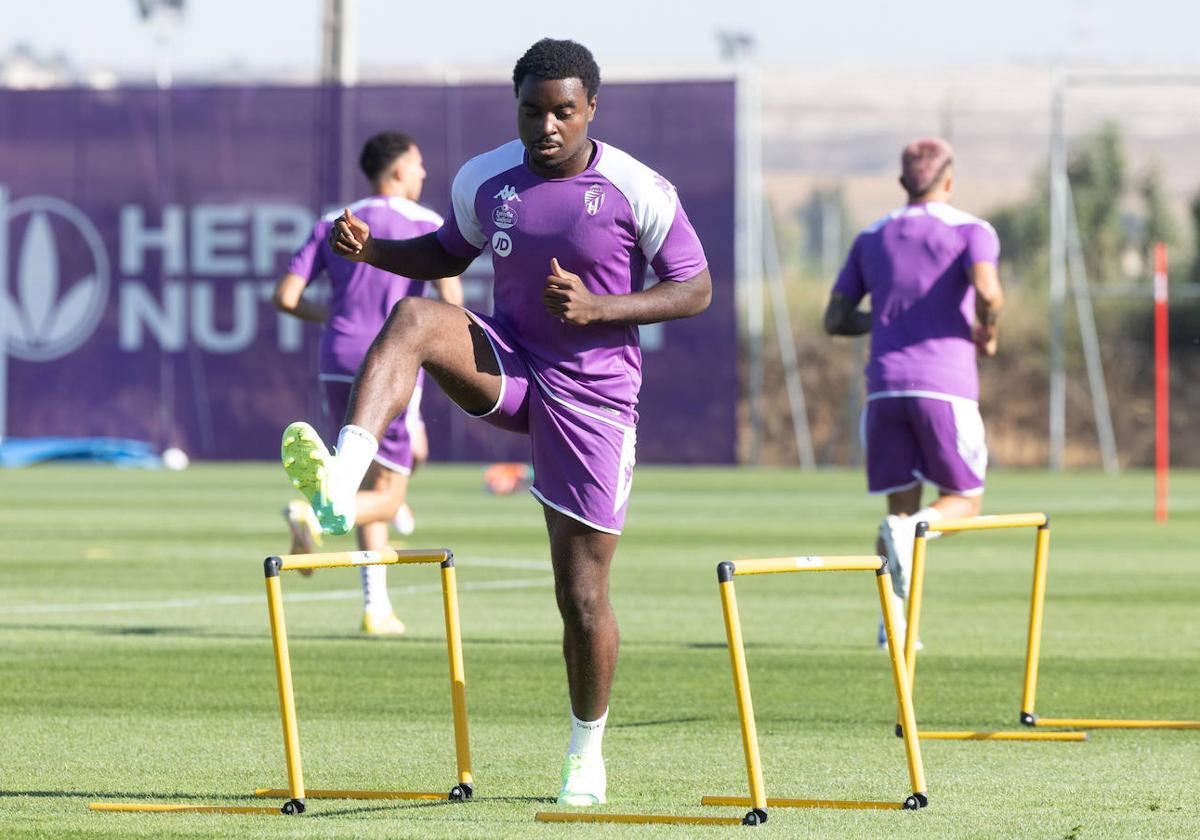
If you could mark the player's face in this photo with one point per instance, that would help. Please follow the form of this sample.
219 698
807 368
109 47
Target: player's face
552 121
410 172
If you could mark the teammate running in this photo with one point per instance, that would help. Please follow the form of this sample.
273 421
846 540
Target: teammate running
930 270
362 297
573 224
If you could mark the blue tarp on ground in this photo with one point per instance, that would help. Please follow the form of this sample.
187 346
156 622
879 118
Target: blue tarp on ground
123 452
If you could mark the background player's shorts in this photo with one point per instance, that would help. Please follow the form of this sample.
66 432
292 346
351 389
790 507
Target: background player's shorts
913 439
582 460
395 447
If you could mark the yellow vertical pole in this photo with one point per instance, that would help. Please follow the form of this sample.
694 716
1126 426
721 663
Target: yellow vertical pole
916 590
458 674
283 674
741 686
908 718
1037 605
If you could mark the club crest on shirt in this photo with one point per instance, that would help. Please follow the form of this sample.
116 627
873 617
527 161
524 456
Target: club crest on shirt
504 217
593 199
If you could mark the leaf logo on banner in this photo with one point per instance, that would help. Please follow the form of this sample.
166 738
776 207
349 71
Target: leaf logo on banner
42 322
37 275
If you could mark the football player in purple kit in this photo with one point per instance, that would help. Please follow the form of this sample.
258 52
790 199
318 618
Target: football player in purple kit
361 299
573 224
930 270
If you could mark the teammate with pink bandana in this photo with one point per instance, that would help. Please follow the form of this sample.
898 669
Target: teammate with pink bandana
930 271
573 224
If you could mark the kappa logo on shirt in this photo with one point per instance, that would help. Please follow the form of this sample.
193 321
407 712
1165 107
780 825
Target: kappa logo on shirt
507 193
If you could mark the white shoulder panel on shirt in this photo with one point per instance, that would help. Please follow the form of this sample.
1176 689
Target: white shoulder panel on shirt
413 211
878 223
471 177
953 216
651 196
336 213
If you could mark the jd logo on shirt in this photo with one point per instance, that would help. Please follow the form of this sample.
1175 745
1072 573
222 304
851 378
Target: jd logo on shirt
501 244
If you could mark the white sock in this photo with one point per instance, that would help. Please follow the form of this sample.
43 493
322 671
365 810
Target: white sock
929 514
375 594
586 736
356 447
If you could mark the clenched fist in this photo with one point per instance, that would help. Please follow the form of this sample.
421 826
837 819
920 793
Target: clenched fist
350 237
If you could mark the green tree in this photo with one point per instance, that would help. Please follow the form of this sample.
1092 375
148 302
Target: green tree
1194 274
1160 224
1097 174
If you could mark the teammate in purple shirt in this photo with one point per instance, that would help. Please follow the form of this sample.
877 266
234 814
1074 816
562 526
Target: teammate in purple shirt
361 297
572 224
930 270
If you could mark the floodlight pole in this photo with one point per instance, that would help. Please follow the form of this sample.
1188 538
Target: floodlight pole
748 237
339 72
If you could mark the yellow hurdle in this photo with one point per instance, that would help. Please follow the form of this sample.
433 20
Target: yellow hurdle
160 808
1105 723
1033 644
968 735
758 800
295 792
668 819
1037 601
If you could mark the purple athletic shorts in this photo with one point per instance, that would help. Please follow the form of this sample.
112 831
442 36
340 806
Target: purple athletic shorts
395 447
910 439
582 460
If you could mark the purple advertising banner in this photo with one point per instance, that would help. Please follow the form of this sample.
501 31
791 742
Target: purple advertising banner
142 232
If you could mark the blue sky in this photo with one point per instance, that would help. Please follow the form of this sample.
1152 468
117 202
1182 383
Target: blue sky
255 34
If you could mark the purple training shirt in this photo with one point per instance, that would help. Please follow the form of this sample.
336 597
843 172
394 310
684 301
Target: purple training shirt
915 263
362 295
606 224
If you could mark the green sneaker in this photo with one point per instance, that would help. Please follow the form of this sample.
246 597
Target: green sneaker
583 781
309 465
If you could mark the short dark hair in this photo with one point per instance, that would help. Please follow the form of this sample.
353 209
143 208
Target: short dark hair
381 151
551 59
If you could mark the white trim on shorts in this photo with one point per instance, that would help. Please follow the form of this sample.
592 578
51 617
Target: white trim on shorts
499 364
929 395
394 467
533 491
546 389
335 377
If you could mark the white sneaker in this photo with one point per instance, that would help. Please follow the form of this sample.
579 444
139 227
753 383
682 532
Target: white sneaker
404 522
584 782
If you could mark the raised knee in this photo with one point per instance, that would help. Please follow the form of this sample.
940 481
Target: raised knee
407 317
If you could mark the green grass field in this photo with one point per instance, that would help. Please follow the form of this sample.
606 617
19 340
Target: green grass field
136 665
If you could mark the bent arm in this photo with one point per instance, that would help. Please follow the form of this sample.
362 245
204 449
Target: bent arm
667 300
289 297
422 258
842 317
989 300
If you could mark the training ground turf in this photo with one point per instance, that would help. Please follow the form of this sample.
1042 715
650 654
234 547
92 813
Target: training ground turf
136 665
